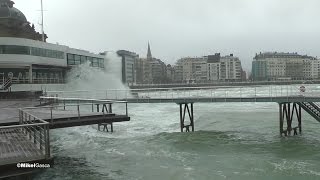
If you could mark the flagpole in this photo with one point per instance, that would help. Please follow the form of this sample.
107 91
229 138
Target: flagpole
42 21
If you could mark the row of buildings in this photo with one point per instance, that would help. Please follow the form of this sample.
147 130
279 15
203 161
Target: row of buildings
275 66
268 66
206 69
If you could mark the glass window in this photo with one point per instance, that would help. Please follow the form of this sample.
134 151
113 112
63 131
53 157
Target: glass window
15 50
95 62
60 55
77 62
101 63
70 56
90 60
77 59
83 59
71 62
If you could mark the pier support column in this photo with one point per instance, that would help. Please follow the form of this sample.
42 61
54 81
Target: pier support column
105 127
287 112
184 108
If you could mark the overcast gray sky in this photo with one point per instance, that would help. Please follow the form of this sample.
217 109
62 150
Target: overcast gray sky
180 28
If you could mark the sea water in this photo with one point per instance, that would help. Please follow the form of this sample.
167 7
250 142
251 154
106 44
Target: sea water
235 141
232 141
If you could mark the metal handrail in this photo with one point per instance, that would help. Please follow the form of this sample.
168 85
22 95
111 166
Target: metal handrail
194 92
81 99
22 126
78 103
36 129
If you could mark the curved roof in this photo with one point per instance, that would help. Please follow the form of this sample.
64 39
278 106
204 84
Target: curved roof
12 13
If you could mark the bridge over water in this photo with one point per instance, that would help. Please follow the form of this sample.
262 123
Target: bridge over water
291 99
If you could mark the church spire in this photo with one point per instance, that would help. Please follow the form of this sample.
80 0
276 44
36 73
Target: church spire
149 55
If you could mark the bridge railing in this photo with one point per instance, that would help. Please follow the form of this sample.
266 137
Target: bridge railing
37 129
193 92
78 107
34 129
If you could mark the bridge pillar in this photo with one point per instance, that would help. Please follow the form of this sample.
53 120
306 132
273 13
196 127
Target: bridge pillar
106 108
105 127
184 108
287 111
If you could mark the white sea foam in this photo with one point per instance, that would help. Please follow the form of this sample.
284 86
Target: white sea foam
84 77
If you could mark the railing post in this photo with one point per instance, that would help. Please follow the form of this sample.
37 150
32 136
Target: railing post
110 108
78 111
255 91
51 114
48 141
92 106
20 118
34 135
126 108
40 137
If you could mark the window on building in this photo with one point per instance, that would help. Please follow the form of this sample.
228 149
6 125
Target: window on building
90 60
95 62
83 59
101 63
70 59
77 59
8 49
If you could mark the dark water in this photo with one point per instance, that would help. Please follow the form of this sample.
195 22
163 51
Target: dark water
233 141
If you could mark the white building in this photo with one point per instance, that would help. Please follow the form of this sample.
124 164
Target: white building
31 61
25 57
227 68
193 69
275 66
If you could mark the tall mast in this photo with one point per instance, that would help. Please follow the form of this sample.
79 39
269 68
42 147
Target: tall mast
42 21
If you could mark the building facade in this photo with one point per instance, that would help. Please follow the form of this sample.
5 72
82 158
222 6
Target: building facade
226 68
274 66
150 70
25 58
128 60
194 69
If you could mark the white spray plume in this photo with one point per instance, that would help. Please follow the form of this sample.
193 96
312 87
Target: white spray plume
85 77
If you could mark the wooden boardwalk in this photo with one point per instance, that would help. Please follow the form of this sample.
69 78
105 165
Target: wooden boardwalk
27 139
67 118
16 147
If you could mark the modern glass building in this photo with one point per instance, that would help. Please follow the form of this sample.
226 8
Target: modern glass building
25 58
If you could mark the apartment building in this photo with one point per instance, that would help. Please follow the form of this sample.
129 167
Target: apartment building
194 69
274 66
226 68
128 63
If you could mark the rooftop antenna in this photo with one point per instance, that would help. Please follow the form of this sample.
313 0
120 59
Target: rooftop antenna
42 21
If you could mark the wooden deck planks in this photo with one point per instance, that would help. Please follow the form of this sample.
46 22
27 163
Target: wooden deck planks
15 146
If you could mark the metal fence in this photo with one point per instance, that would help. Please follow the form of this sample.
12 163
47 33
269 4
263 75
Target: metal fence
29 139
77 107
193 92
37 130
